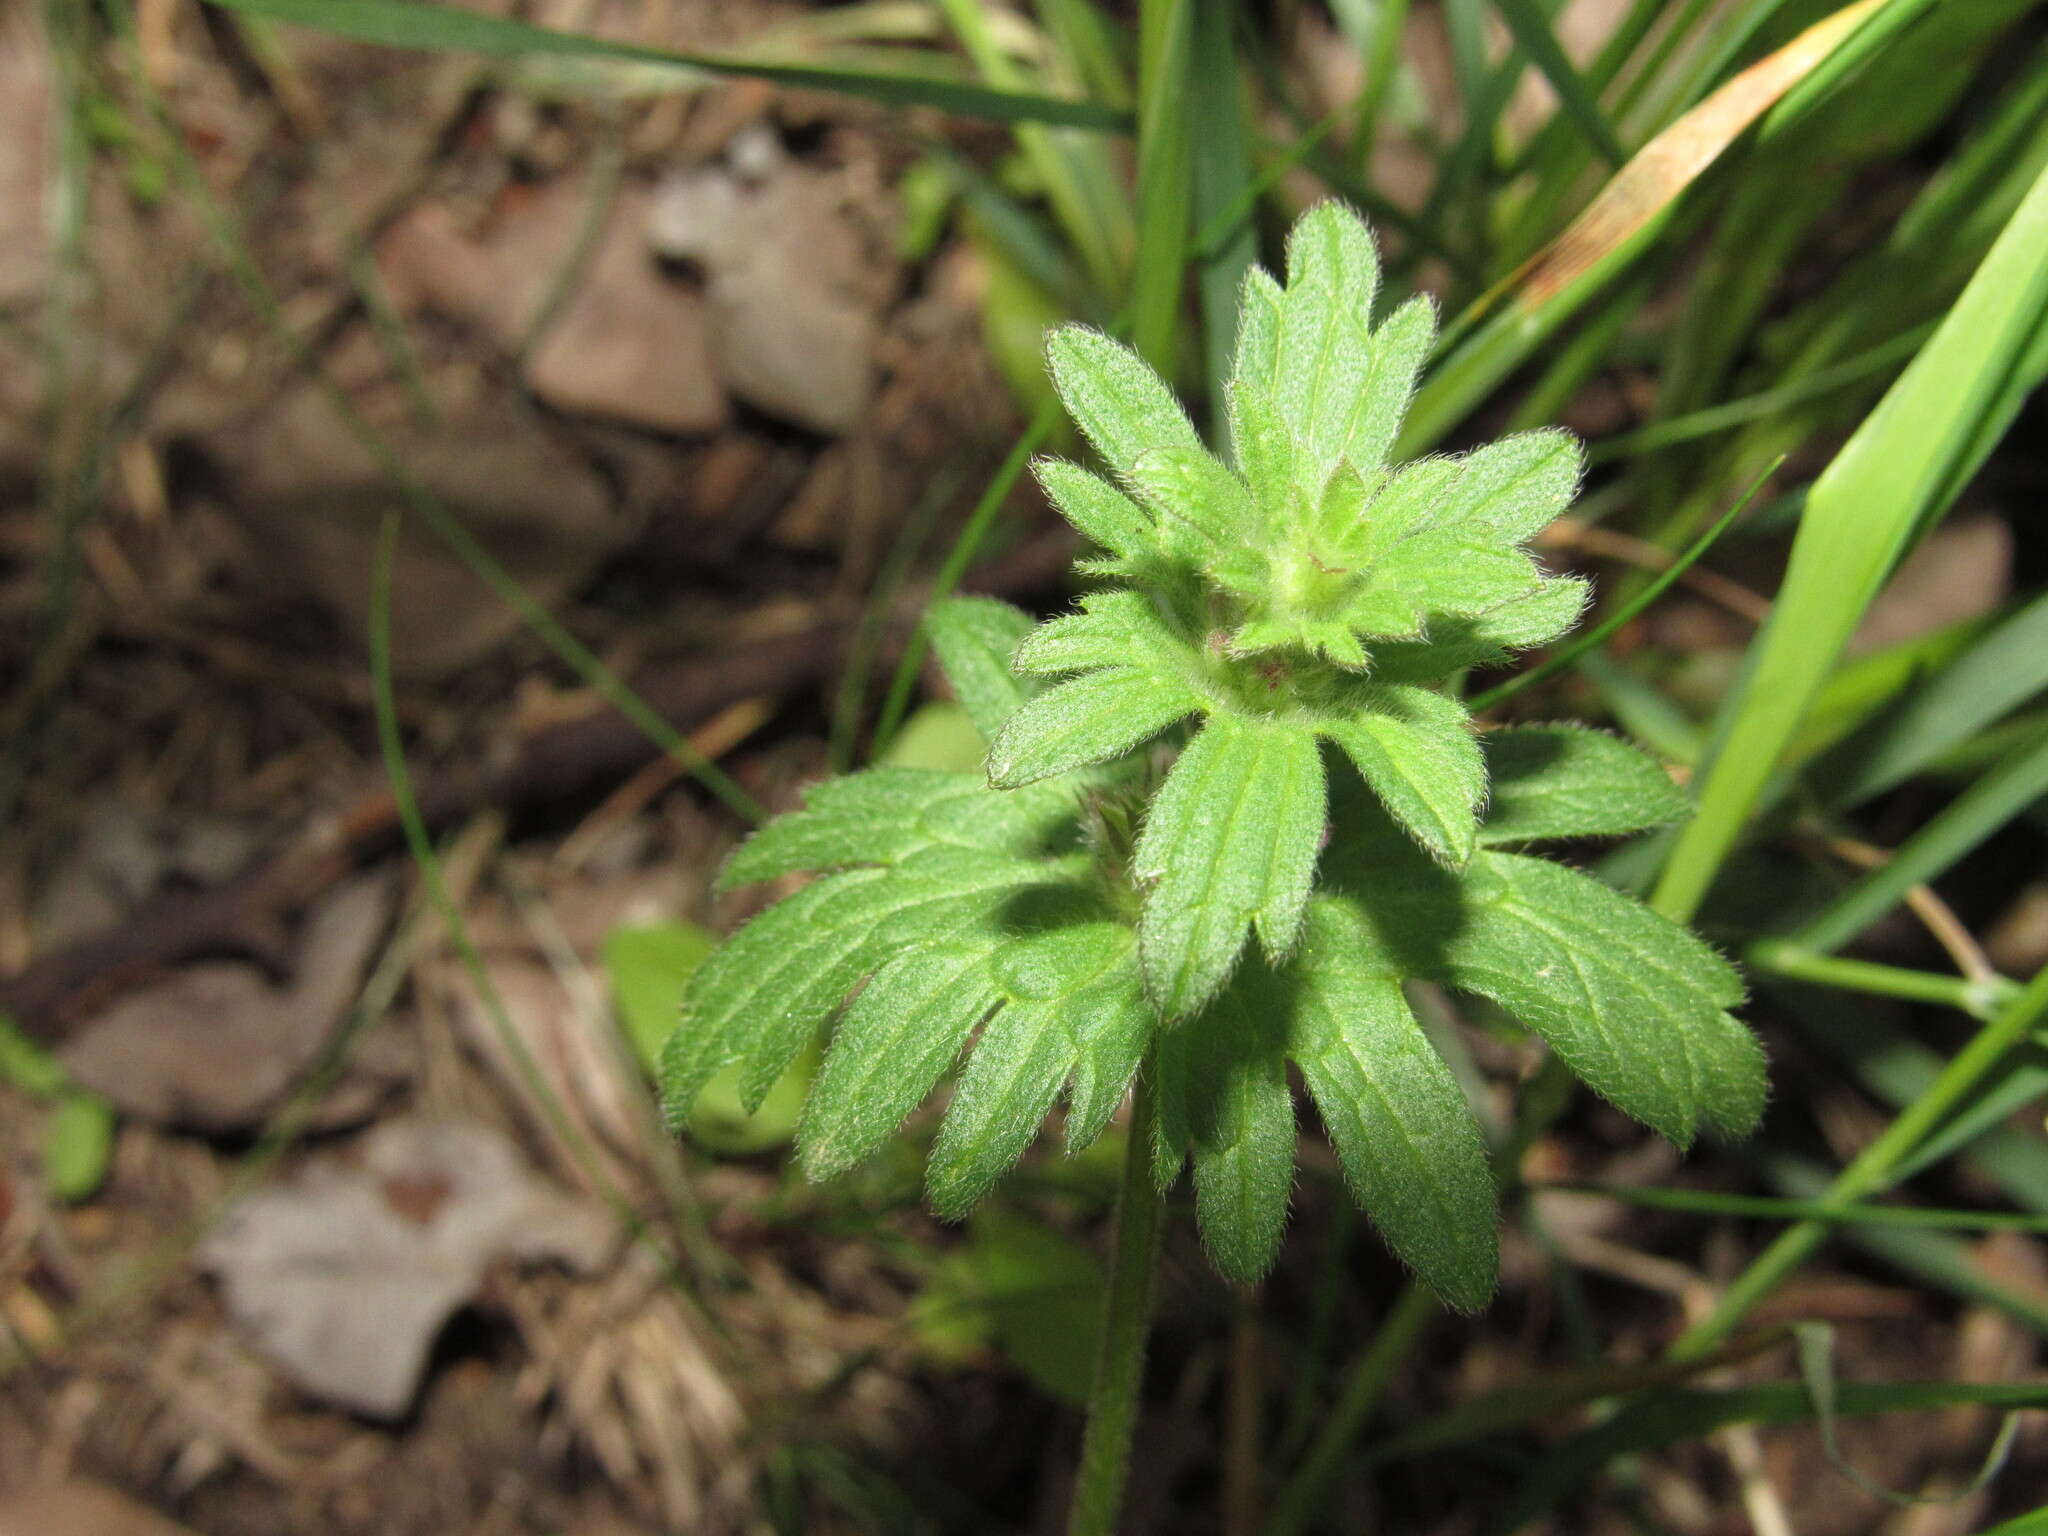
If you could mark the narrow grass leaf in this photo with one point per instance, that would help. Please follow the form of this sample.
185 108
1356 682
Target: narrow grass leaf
1997 674
1532 33
1887 485
1166 31
1507 324
1654 1420
419 25
1978 813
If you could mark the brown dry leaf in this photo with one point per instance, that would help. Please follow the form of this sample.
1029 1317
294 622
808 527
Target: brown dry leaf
81 1509
215 1045
310 501
1675 158
345 1276
793 287
627 343
24 158
24 251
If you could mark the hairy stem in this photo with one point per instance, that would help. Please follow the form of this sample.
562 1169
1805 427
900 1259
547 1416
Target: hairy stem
1126 1316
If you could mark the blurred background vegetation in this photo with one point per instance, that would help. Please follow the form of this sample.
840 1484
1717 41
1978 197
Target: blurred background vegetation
460 467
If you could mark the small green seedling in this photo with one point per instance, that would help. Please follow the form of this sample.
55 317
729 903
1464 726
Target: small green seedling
1249 728
78 1138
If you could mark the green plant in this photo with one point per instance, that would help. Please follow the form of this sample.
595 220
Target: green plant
1087 907
78 1137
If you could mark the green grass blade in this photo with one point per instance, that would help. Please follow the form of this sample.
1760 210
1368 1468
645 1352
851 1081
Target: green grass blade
1934 1258
1979 999
416 24
1877 1165
1701 1202
903 683
1861 515
1221 179
1894 1067
1505 326
1070 167
1978 813
1166 38
1665 1418
1533 35
1382 65
1764 404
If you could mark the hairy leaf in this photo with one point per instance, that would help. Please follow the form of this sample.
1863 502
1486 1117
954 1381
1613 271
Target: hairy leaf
1116 628
1411 1151
1230 841
1024 1054
974 637
903 1030
1634 1003
1098 510
1089 720
1399 349
1015 1074
885 815
1086 923
781 976
775 982
1417 751
1565 781
1223 1096
1123 407
1192 493
1113 1023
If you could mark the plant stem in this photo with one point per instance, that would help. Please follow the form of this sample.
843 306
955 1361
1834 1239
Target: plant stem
1796 962
1873 1170
1126 1316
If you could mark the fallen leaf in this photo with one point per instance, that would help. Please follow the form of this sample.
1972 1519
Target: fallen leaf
627 343
345 1276
24 160
794 298
311 500
216 1045
81 1509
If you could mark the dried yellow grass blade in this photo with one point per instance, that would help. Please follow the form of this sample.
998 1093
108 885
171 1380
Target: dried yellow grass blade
1675 158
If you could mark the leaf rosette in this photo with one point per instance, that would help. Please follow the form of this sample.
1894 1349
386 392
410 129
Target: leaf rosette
1086 909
